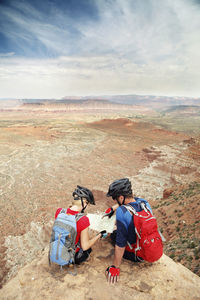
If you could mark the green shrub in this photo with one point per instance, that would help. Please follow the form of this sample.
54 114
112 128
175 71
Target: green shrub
156 206
196 251
171 222
180 214
172 255
191 245
180 257
189 258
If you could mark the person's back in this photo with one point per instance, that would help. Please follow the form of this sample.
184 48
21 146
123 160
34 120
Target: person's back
82 198
82 222
126 237
125 234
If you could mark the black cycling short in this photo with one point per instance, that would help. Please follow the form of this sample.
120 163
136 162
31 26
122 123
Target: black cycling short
127 255
81 255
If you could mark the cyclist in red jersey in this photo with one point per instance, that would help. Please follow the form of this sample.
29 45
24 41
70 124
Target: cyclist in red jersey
82 198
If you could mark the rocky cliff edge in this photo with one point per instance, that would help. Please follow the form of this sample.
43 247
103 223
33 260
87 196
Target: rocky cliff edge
164 279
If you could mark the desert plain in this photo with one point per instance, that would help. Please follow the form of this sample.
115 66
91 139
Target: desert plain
44 154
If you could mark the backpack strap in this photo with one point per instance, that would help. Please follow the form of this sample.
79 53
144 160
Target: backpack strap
75 271
144 207
63 210
133 211
79 216
162 237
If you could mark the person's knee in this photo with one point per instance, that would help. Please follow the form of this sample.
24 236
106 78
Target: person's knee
82 256
88 250
131 256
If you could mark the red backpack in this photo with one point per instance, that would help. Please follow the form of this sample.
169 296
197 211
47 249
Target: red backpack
149 244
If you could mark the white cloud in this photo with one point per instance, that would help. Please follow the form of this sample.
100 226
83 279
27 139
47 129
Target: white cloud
133 47
96 75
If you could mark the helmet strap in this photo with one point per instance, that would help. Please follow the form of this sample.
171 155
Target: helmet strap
83 207
124 200
118 202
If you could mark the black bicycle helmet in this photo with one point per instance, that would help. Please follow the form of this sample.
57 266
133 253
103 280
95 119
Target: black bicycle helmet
119 187
82 192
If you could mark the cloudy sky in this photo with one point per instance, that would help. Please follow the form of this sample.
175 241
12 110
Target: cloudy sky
55 48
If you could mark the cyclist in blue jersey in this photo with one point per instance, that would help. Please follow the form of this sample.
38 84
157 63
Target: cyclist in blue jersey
124 237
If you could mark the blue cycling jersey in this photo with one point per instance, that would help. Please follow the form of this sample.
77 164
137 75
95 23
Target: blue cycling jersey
125 225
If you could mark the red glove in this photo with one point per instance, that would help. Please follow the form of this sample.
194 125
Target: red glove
112 274
109 212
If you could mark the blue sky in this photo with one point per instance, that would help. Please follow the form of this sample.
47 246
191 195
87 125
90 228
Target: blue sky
55 48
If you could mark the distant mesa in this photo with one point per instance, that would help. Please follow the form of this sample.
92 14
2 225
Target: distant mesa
183 110
144 104
78 105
